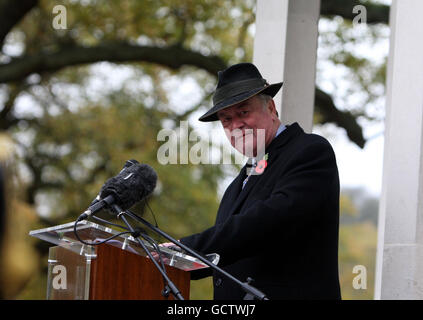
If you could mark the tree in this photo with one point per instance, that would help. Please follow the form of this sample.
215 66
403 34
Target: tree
173 50
77 133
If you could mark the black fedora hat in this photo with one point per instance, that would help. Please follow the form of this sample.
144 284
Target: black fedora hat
236 84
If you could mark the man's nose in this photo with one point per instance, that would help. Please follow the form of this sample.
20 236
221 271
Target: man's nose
237 123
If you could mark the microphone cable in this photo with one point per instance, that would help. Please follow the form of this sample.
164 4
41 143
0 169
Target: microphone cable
75 231
138 232
155 245
110 223
141 232
152 213
166 290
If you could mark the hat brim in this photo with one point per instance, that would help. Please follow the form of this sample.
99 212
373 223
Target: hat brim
211 115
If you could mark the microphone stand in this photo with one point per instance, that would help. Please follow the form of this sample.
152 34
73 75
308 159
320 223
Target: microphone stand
170 285
251 292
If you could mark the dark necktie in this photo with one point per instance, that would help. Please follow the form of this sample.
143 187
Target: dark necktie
250 169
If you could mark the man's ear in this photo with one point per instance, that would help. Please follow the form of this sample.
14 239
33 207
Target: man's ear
272 107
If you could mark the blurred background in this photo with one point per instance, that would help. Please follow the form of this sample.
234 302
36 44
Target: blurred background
77 102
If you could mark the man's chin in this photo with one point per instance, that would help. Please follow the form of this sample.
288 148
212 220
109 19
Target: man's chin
248 151
247 146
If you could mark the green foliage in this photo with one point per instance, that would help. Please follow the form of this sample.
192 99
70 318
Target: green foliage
357 247
78 133
76 127
360 53
357 243
202 289
198 24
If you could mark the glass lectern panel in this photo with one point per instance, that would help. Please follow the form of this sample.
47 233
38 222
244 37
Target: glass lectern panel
64 236
68 275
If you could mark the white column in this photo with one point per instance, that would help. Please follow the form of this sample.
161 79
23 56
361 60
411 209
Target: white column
399 265
285 49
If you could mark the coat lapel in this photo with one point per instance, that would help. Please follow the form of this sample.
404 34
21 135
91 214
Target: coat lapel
230 196
237 184
244 192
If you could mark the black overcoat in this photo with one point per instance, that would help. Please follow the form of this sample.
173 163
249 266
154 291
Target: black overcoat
282 228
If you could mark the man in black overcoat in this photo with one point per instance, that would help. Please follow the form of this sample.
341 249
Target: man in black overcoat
278 220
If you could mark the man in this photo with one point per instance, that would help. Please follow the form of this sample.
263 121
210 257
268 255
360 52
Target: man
278 221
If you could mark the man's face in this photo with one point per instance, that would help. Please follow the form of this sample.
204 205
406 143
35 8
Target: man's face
249 125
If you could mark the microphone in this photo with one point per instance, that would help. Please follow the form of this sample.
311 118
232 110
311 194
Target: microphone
132 184
128 163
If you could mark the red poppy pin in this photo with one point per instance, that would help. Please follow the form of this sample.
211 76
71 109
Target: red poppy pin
262 164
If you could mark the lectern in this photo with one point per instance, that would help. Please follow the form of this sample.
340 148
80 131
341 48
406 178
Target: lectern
118 269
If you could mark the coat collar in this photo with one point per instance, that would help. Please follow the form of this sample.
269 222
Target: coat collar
291 131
